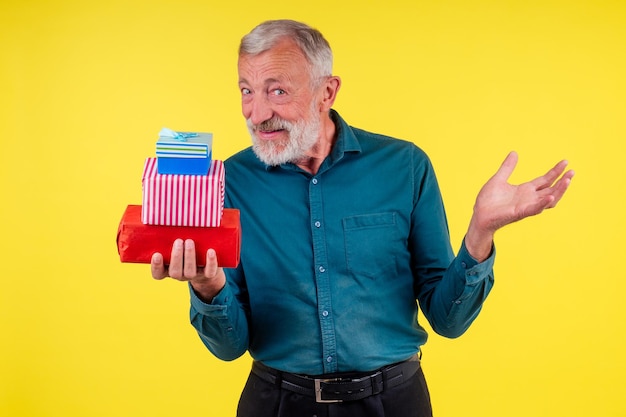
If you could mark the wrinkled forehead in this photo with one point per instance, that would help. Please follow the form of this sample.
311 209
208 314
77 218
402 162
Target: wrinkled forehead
281 46
284 57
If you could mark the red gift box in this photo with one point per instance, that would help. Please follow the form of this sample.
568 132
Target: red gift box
137 242
183 200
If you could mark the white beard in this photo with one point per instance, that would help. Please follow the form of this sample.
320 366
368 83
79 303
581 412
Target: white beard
302 136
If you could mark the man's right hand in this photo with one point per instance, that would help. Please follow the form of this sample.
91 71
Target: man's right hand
207 281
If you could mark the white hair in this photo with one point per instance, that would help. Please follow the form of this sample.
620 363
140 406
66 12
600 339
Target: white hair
312 43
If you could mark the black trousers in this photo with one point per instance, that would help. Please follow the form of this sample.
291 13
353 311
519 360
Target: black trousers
264 399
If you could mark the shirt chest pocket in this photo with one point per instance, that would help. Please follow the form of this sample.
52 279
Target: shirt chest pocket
372 242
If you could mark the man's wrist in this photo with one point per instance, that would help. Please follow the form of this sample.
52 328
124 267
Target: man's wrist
207 291
478 243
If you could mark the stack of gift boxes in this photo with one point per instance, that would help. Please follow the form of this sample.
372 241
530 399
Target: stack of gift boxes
183 198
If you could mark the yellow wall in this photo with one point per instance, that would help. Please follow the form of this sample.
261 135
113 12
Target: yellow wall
85 86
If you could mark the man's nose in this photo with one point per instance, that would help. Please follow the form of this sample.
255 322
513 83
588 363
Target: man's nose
258 110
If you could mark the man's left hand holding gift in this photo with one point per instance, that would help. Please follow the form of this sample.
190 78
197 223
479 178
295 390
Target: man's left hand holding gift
207 282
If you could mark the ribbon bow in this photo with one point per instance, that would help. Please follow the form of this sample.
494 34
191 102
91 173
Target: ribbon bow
171 134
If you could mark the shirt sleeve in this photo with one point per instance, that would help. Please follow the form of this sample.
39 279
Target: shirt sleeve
222 324
450 289
458 299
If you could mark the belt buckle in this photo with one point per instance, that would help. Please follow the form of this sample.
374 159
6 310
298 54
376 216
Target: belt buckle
318 390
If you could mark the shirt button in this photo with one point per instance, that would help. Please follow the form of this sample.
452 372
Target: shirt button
318 224
322 269
314 180
329 359
325 313
464 265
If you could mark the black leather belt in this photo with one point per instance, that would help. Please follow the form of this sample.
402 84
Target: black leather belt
339 388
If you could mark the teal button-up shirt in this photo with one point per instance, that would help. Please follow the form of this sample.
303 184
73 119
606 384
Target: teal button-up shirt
332 264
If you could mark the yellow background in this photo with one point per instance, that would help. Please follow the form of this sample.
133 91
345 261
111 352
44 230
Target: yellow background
85 86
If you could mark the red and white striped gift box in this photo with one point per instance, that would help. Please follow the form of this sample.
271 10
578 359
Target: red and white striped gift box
183 200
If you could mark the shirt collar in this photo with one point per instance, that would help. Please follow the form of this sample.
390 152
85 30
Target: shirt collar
346 140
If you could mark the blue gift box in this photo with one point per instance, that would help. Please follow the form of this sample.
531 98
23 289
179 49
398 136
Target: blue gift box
183 153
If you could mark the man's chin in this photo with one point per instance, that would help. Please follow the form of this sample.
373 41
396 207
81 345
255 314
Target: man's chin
270 158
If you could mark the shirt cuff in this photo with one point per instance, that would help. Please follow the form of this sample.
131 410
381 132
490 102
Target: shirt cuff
475 271
217 307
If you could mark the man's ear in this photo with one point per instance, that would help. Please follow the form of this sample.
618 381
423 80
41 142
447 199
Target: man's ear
330 88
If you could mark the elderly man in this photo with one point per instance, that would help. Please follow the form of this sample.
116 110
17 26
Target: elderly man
344 232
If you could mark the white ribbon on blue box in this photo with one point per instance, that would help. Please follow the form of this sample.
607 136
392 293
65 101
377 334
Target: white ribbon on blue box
183 153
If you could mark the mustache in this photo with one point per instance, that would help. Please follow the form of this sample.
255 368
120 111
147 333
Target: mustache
272 124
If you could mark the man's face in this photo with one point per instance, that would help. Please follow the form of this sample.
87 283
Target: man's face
279 104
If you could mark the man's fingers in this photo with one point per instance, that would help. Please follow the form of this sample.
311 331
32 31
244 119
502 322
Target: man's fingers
560 187
190 270
210 269
548 179
183 264
176 260
507 167
157 267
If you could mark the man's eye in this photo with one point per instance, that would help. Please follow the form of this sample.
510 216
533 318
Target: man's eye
278 92
245 91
